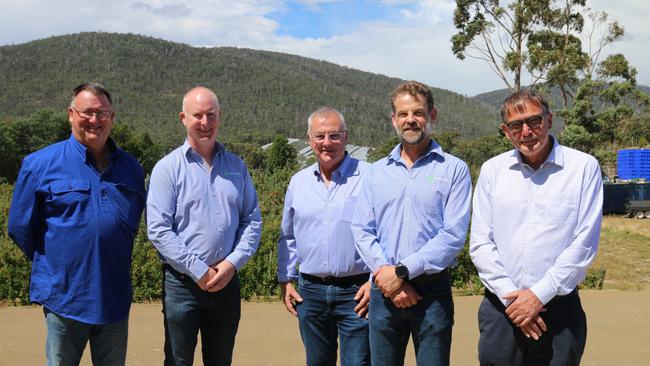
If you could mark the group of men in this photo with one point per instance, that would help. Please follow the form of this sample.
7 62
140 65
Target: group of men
365 250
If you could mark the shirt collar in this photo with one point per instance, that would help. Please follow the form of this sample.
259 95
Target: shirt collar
554 157
395 154
187 149
82 151
343 169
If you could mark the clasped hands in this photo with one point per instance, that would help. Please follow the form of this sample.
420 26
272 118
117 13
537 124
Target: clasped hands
524 311
217 277
401 293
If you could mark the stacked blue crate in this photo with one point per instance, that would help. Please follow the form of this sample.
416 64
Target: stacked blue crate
633 164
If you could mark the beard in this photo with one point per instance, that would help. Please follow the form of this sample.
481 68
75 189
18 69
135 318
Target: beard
413 136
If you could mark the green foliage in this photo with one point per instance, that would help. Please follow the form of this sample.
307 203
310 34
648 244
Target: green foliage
595 279
530 34
258 276
146 268
280 155
15 269
262 93
464 276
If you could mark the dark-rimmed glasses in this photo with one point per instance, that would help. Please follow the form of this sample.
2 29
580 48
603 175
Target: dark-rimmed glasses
533 122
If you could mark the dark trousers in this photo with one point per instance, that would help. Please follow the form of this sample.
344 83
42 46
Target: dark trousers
502 343
188 309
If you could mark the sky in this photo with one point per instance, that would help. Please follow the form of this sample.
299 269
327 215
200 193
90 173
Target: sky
407 39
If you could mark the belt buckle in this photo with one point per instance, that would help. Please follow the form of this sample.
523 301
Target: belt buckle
329 279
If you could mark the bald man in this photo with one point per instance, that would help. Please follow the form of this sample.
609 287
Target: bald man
204 220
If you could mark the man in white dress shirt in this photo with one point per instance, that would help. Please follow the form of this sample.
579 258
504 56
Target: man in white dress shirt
537 212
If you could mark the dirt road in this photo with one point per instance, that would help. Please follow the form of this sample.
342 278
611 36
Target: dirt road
619 330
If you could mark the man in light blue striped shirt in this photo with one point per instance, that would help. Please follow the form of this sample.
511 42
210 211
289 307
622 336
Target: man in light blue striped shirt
536 221
410 222
334 288
204 220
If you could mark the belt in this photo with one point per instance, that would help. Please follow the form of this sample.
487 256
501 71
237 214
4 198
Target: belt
337 281
428 278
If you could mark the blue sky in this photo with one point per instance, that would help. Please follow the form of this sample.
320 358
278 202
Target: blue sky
308 20
408 39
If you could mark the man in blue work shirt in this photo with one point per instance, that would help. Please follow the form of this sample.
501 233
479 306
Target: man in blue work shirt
75 212
203 218
333 283
409 224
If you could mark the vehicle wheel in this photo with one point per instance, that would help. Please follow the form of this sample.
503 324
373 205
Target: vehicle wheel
647 214
639 214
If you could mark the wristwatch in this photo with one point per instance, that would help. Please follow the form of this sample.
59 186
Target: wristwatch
402 271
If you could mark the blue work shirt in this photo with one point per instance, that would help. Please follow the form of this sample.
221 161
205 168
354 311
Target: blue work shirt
315 231
417 216
77 226
197 218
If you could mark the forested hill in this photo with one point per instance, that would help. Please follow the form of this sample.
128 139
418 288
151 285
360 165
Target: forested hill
261 93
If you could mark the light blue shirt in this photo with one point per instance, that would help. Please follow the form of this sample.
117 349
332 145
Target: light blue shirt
417 216
315 231
536 229
197 218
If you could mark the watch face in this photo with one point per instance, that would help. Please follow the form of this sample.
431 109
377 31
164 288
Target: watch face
401 271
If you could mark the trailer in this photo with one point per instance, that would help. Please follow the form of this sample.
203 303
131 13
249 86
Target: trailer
638 208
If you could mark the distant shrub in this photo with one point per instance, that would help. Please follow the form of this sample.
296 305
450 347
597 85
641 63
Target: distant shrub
595 279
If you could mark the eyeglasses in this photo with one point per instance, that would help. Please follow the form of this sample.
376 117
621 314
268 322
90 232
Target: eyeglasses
333 136
533 122
103 115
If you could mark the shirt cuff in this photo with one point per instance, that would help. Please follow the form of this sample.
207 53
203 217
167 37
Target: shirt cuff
197 270
237 260
543 291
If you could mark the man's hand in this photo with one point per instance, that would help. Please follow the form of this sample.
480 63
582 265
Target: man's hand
225 272
386 280
363 297
534 328
525 306
405 296
208 279
290 297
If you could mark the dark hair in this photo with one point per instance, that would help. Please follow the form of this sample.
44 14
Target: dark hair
416 90
517 100
94 88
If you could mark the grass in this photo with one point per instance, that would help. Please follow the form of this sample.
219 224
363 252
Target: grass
624 253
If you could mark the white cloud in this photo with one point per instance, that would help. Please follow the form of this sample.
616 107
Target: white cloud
412 44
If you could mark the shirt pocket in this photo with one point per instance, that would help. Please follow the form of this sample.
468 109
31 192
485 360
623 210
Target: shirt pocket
70 202
128 204
348 209
557 210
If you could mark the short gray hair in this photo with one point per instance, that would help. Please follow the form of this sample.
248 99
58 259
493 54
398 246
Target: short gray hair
323 111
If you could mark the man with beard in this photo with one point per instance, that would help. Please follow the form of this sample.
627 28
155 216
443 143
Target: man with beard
409 224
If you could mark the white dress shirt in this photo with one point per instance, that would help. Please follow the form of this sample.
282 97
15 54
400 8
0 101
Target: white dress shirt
536 229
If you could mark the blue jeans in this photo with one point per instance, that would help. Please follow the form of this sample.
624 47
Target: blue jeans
429 322
188 309
327 311
67 338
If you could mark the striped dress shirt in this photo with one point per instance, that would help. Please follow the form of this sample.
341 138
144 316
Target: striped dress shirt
536 229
